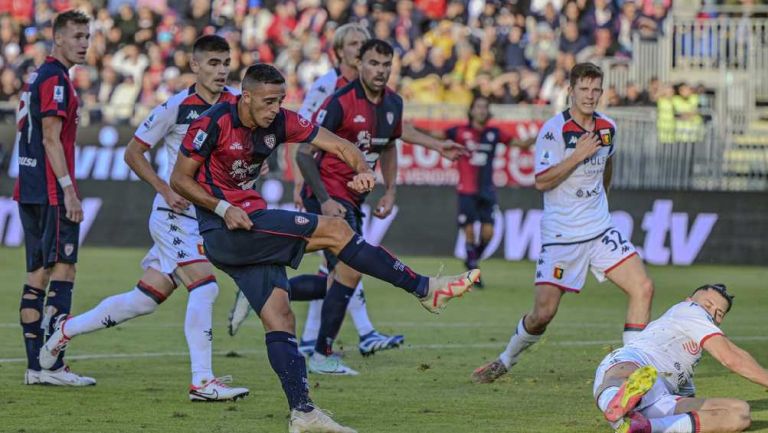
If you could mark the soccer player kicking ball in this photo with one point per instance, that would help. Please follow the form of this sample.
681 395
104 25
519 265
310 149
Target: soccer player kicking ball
177 255
573 169
647 385
220 159
49 203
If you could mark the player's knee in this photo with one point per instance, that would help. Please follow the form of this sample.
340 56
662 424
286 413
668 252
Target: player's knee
339 230
540 318
63 272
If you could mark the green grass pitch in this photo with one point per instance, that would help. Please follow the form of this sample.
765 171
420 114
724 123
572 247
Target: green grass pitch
143 373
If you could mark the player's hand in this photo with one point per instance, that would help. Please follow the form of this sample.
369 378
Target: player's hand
176 202
297 200
362 182
332 208
453 150
385 205
72 205
236 218
587 145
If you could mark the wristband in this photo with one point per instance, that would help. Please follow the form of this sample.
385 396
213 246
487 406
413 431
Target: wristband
221 208
65 181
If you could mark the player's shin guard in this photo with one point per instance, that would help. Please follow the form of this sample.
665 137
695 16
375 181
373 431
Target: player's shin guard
334 309
112 311
31 316
378 263
198 328
519 342
291 369
308 287
58 303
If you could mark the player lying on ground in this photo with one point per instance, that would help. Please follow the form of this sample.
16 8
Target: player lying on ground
647 385
177 254
220 160
574 151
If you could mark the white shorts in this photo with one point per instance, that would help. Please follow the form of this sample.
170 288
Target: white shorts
177 241
658 402
565 266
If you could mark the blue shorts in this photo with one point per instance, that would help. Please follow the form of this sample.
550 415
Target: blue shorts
353 217
278 237
49 236
258 281
474 207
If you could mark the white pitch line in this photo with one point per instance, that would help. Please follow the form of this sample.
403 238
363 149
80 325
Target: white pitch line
490 345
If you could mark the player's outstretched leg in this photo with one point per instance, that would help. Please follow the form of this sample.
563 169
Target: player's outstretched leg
627 397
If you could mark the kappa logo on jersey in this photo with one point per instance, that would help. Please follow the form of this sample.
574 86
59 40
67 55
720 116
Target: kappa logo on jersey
58 93
304 123
549 136
270 141
558 273
358 119
193 115
301 220
390 117
321 116
605 137
236 146
692 347
573 140
199 139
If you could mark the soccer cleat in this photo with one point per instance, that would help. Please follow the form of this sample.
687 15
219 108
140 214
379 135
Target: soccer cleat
315 421
57 342
307 347
479 284
631 392
443 289
329 365
64 377
239 312
217 390
489 372
32 377
635 423
373 342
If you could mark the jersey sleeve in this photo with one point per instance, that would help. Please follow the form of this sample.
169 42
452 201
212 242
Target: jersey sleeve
298 129
330 115
550 148
54 97
201 138
157 125
698 326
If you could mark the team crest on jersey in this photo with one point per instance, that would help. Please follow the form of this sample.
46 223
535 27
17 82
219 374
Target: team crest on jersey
605 137
58 93
390 117
199 139
558 273
270 141
301 220
304 123
321 116
69 249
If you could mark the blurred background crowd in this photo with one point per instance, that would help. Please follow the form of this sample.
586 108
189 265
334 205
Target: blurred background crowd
515 51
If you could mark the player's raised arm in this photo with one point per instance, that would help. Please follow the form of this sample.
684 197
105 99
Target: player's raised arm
54 152
447 148
736 359
350 154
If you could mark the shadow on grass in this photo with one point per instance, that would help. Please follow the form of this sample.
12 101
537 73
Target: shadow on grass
758 405
758 425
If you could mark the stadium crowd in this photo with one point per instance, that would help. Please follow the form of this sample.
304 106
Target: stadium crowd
515 51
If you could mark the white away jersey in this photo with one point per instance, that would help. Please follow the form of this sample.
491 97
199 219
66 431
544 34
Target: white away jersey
577 209
320 90
673 342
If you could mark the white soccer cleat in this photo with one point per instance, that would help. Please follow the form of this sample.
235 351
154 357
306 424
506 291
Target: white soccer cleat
55 344
217 390
329 365
239 312
315 421
65 377
443 289
32 377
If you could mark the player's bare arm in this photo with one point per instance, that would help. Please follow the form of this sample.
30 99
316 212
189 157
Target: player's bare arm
608 174
134 157
329 142
298 177
388 161
736 359
447 148
308 168
183 182
522 143
54 152
586 146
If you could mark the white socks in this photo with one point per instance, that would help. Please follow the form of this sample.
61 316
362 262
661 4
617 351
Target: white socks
199 332
520 341
356 309
672 424
111 311
606 396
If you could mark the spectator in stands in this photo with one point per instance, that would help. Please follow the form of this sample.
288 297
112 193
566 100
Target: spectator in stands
634 96
131 62
665 114
688 121
514 50
119 110
571 40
